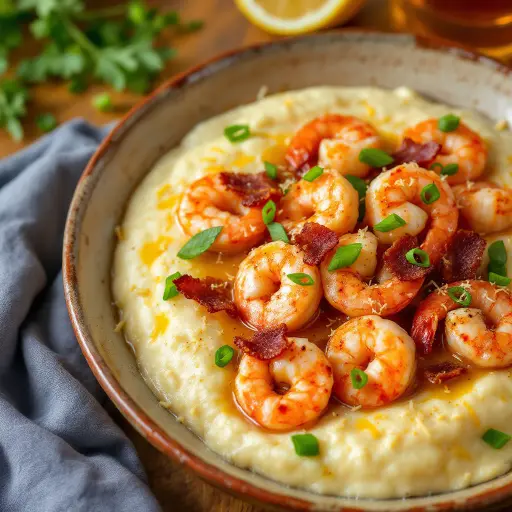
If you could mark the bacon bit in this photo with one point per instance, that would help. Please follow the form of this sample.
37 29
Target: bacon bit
255 189
410 151
394 260
209 292
264 345
441 372
464 256
316 241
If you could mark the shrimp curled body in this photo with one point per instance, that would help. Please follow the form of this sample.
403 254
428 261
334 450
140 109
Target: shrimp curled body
333 141
461 146
380 348
208 203
264 294
466 331
307 373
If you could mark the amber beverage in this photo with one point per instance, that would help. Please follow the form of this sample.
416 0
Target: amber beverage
484 24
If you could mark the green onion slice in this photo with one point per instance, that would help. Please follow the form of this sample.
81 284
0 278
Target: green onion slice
271 170
497 252
313 173
345 256
269 212
199 243
450 169
277 232
435 165
170 288
448 123
418 257
390 223
301 279
223 355
499 279
359 378
496 439
358 183
460 295
237 132
375 157
306 445
430 194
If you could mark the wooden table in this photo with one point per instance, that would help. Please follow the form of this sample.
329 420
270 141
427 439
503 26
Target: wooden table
176 488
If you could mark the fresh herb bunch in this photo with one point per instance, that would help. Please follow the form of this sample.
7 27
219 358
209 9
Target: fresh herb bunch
115 45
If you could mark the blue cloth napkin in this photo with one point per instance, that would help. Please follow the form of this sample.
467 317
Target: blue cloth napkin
59 449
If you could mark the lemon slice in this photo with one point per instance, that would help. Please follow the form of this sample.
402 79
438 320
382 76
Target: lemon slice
289 17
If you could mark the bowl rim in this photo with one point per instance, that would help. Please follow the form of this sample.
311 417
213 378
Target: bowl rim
146 426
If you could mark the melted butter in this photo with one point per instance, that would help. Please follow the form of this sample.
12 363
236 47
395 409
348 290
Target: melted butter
220 266
472 413
150 251
241 160
454 389
460 452
275 154
160 326
166 198
364 424
214 169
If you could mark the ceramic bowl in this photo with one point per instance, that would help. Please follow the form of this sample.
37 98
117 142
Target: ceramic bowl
450 75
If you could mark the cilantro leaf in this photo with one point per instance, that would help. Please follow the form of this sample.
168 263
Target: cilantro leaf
13 98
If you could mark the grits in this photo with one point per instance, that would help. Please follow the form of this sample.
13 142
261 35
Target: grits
426 442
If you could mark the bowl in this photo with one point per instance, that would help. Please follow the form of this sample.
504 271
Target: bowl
447 74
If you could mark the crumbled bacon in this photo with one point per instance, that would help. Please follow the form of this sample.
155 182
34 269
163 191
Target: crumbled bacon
441 372
410 151
316 241
266 344
395 261
211 293
464 256
255 189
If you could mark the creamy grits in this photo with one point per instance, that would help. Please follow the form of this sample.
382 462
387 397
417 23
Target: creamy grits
428 441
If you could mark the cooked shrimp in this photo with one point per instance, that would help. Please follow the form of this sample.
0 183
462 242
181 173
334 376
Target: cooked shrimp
208 203
330 200
462 146
333 141
303 369
266 296
346 289
486 207
399 191
382 350
466 331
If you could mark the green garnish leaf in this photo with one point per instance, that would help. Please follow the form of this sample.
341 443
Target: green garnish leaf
460 295
359 378
375 157
102 102
237 132
223 355
277 232
418 257
450 169
199 243
496 439
269 212
430 194
313 173
301 279
345 256
306 445
359 184
499 279
497 252
170 288
448 123
46 122
390 223
271 170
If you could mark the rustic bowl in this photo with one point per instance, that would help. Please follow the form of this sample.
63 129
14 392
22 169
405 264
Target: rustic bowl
450 75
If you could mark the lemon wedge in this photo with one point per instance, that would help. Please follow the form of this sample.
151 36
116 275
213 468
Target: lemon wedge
289 17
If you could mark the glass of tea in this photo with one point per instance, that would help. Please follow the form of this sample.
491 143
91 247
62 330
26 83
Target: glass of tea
483 24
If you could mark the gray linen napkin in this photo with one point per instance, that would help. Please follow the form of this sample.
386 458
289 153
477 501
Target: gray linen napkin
59 449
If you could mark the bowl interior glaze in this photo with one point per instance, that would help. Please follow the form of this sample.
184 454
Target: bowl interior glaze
445 74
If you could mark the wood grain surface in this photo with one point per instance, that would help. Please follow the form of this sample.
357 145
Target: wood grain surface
176 488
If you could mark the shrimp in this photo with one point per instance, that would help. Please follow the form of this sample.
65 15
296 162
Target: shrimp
208 203
399 191
333 141
266 296
329 200
486 207
461 146
466 331
346 290
306 372
382 350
